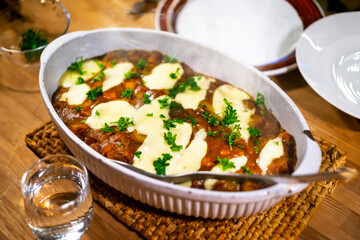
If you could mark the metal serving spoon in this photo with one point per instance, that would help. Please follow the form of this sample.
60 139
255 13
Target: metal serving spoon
343 173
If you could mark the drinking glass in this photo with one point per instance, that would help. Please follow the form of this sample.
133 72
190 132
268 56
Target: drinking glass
57 198
46 20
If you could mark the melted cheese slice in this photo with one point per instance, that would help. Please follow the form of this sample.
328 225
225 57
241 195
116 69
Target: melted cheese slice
238 162
154 146
272 150
190 161
76 94
160 76
150 124
69 78
191 99
109 112
115 75
235 96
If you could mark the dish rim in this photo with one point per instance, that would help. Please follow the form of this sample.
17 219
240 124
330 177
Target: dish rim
175 190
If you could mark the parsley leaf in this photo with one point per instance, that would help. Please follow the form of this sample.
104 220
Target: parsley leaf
162 116
32 40
130 75
260 102
193 121
246 170
256 149
146 98
175 75
127 93
137 154
169 59
230 115
212 120
94 93
78 108
225 163
181 87
149 114
79 81
276 143
113 63
160 164
171 123
77 66
100 64
254 132
97 113
170 140
106 129
100 77
164 102
234 136
142 64
123 123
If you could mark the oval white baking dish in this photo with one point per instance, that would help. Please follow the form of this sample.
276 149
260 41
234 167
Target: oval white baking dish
214 204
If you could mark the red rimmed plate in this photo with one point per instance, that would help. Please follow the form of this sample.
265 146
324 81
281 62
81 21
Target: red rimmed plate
261 33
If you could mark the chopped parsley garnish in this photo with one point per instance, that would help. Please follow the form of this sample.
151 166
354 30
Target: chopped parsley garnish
106 129
203 105
82 121
212 120
113 63
127 93
240 146
137 154
171 123
120 144
170 140
169 59
225 163
254 132
276 143
123 123
160 164
256 149
234 136
94 93
149 114
78 108
246 170
256 142
181 87
99 77
100 64
210 133
162 116
260 102
32 40
146 98
175 74
79 81
142 64
97 113
77 66
230 114
164 102
193 121
130 75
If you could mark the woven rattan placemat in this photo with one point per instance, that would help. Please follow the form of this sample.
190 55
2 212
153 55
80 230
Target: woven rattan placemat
285 220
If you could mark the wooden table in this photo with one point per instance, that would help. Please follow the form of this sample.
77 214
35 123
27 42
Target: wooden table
337 218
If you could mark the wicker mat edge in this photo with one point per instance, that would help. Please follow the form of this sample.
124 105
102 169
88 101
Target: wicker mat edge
286 220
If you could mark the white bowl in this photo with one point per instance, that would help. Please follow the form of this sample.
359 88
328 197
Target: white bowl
197 202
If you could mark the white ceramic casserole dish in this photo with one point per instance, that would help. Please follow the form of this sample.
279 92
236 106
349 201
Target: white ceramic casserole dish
214 204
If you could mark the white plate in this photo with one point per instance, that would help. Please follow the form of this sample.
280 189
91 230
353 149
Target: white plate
259 33
328 56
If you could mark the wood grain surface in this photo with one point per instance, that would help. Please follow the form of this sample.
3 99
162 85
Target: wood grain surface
337 218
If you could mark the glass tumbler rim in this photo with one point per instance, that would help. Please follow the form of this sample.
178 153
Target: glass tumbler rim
66 12
26 175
